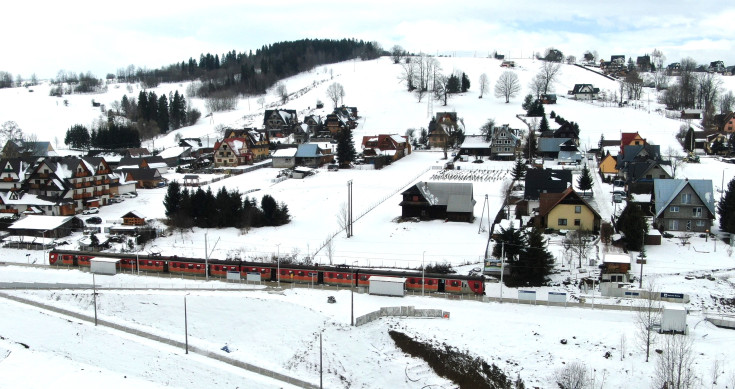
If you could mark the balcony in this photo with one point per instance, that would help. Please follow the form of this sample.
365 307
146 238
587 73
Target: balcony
8 211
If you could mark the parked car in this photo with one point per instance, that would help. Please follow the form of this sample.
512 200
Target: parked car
117 200
130 195
91 210
617 198
618 183
94 220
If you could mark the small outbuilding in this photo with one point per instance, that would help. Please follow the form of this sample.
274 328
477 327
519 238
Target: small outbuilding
103 265
674 320
387 286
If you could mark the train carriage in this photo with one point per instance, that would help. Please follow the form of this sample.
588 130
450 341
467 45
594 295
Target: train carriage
265 272
217 269
185 266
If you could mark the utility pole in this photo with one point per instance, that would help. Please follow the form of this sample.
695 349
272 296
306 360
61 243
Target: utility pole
186 326
502 269
94 297
349 208
423 280
206 257
278 260
320 361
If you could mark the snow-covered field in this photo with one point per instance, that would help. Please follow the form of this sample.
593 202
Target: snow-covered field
279 331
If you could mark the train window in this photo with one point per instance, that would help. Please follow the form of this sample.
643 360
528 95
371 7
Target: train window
301 273
349 276
283 272
191 266
455 283
199 266
150 263
364 278
429 282
339 276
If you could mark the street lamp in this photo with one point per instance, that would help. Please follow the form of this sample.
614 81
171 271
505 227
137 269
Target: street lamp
186 327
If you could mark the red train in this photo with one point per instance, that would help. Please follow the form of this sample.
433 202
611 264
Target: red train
327 275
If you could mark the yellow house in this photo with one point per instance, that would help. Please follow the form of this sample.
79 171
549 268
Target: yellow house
566 211
607 166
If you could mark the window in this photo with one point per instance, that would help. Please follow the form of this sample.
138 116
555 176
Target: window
686 198
577 222
577 209
697 211
674 208
700 223
674 225
562 222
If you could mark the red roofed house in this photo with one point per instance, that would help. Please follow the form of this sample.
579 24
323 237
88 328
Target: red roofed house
395 145
630 139
232 152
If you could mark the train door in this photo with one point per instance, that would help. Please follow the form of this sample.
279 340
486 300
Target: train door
320 277
273 274
440 287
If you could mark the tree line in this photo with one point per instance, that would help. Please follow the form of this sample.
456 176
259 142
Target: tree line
205 209
253 72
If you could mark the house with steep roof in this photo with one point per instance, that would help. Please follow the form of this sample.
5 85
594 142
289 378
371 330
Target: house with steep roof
143 177
540 181
19 148
505 143
566 211
133 218
439 200
550 147
608 166
232 152
683 205
280 123
392 145
584 92
630 139
476 146
640 176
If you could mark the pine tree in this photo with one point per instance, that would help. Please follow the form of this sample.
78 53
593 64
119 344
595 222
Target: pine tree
514 244
346 153
465 82
584 182
453 85
527 102
77 137
544 126
142 105
172 200
530 150
726 209
519 169
534 263
163 114
632 223
152 110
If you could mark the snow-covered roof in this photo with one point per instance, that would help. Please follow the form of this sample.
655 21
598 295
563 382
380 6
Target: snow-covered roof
172 152
475 142
666 190
285 153
40 222
24 199
616 258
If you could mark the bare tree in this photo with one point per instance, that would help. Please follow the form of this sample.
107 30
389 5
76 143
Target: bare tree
484 84
282 92
335 91
710 85
343 217
261 101
633 84
648 314
675 158
397 53
10 131
549 73
623 346
675 365
578 242
409 74
507 85
572 376
537 85
329 249
726 102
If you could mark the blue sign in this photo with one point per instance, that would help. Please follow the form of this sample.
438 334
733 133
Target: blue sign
672 295
632 294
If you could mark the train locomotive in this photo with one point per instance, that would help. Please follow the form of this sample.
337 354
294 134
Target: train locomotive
339 275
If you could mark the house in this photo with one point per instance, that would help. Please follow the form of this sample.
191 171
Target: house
615 267
548 98
149 162
280 122
45 227
136 152
638 153
12 172
566 211
673 69
311 155
232 152
691 114
584 92
643 63
505 143
177 155
143 177
630 139
19 148
717 67
475 145
546 181
728 123
393 145
550 147
284 158
133 218
439 200
440 128
567 130
641 176
608 166
683 205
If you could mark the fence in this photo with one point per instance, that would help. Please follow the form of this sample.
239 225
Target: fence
233 172
399 312
170 342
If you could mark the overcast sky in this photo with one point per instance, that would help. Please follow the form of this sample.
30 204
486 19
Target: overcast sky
44 37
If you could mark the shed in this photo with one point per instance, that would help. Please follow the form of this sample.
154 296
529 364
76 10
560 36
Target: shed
387 286
104 265
674 320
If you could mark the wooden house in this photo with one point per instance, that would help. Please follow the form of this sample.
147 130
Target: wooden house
439 200
133 218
